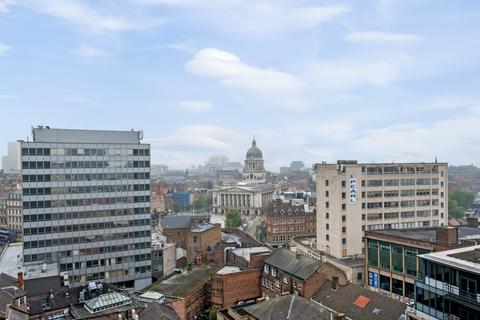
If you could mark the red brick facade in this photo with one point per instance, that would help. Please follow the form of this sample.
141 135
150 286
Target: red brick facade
229 289
197 244
285 223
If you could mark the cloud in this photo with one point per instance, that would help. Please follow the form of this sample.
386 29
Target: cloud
230 71
4 49
195 106
4 4
378 37
81 14
252 17
91 52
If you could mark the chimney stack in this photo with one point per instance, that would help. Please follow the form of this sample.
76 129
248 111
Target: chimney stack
21 282
472 221
447 235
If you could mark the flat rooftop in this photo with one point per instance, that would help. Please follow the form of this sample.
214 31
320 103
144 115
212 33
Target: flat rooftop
46 134
181 284
429 234
11 260
245 252
467 258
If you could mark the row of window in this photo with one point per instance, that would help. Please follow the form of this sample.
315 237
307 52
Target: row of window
103 250
402 225
401 182
103 262
84 164
88 239
395 182
403 204
83 202
85 176
398 258
86 189
84 214
291 221
296 228
403 214
86 227
84 152
402 193
396 169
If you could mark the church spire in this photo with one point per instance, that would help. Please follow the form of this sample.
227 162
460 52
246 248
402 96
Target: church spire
254 143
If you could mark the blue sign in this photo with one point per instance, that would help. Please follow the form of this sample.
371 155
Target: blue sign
373 279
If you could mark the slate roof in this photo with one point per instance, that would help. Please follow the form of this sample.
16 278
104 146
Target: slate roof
177 222
156 311
7 280
288 307
345 300
288 210
298 266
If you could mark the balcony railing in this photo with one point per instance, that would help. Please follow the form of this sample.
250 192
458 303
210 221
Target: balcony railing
452 291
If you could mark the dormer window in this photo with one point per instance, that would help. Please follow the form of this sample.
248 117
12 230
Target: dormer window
265 268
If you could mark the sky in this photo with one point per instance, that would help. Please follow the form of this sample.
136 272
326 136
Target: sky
372 80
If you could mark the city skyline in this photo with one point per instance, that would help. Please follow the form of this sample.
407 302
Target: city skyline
379 81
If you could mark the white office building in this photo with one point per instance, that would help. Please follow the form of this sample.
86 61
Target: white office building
86 204
353 197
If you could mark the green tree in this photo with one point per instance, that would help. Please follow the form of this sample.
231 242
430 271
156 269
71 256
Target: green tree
464 197
233 218
454 210
458 201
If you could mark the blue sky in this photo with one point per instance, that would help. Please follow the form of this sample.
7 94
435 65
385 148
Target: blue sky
311 80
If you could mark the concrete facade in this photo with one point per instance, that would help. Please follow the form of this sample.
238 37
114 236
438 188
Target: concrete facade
86 204
353 197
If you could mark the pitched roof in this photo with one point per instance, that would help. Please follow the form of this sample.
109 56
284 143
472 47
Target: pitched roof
299 266
359 303
177 222
7 280
158 312
288 307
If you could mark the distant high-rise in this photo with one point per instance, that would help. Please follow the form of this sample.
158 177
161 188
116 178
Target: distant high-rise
11 162
86 204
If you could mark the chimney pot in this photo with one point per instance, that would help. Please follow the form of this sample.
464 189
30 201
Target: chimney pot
20 280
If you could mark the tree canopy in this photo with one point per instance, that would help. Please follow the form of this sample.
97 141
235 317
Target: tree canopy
233 218
458 201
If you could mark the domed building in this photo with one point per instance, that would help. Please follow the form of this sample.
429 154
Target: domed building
254 172
252 195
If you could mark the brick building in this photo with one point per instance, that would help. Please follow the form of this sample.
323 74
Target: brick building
231 285
198 238
190 291
284 272
286 221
